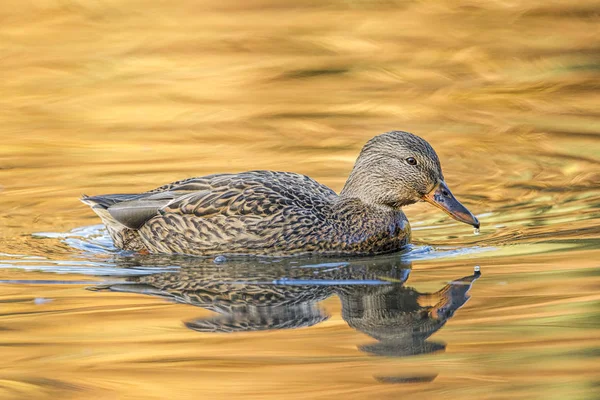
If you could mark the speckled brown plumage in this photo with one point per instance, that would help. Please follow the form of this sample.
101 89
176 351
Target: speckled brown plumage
279 213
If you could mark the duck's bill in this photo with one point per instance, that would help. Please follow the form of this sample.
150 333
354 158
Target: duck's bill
442 198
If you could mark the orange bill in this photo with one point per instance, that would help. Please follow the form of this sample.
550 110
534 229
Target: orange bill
442 198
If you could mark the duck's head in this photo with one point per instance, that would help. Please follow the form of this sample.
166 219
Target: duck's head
396 169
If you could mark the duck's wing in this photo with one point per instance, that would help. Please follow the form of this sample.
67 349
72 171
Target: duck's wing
249 195
257 193
133 210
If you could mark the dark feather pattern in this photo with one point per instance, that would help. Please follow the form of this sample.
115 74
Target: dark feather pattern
257 212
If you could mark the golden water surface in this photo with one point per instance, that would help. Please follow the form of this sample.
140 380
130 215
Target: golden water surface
115 96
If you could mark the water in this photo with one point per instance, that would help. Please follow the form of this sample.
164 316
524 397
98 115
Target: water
105 98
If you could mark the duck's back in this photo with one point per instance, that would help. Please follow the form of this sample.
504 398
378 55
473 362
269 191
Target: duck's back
256 212
253 212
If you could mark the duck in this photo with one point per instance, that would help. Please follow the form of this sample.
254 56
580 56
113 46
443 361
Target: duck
271 213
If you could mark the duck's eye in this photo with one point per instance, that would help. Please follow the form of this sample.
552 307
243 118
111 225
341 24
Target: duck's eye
411 161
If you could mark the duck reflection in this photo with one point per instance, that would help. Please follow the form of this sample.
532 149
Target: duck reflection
255 295
400 318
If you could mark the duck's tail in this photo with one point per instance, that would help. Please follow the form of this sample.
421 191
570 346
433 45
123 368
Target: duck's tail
124 238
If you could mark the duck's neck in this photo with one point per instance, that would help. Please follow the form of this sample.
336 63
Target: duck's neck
373 190
358 188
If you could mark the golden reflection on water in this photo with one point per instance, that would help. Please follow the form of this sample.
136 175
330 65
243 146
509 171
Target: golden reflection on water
101 97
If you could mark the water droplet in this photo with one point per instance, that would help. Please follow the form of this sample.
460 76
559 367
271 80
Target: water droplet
220 259
476 231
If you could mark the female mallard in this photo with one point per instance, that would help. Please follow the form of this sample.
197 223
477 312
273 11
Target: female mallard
282 213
